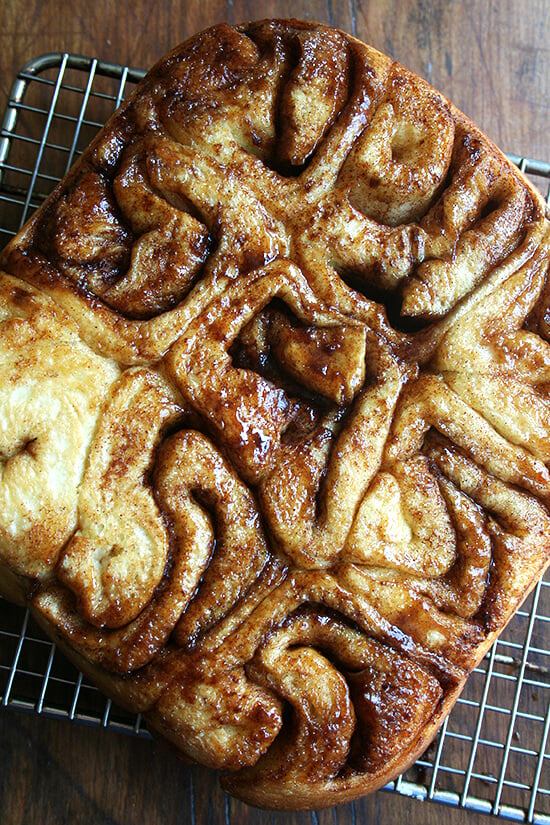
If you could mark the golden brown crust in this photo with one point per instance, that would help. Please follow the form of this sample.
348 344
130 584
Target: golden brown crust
275 418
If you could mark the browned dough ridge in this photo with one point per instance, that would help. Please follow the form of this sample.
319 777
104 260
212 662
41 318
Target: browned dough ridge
275 408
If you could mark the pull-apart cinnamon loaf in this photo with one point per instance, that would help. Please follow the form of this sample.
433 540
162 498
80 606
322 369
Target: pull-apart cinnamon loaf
275 408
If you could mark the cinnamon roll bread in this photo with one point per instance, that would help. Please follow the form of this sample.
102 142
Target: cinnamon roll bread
275 408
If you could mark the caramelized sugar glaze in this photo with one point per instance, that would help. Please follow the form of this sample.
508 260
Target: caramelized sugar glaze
275 411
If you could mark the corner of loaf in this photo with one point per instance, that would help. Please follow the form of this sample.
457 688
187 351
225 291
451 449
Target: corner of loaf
274 408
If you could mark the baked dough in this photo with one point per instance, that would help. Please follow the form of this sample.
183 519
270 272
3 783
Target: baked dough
275 408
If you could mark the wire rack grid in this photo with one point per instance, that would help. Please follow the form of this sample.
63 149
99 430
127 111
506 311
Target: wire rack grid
493 753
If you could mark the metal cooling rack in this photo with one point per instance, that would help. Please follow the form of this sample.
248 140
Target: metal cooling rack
493 753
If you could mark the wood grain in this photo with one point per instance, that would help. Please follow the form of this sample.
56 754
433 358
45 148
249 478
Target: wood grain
493 60
56 773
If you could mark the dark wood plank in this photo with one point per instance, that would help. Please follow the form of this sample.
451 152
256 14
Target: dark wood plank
58 772
493 61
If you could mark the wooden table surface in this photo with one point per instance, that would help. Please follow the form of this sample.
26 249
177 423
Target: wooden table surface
492 58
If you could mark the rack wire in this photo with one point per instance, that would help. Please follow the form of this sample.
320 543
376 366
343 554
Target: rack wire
493 753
